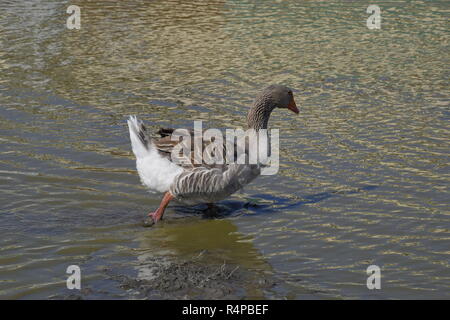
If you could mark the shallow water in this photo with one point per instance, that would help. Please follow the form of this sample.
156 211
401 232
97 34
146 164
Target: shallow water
364 175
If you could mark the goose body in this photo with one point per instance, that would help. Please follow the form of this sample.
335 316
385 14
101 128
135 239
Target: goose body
199 183
202 184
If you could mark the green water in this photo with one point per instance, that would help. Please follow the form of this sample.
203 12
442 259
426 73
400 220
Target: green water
364 176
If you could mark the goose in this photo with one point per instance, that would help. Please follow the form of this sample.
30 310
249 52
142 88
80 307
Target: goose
200 183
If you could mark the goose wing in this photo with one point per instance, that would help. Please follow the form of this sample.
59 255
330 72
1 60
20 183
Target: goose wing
186 158
212 185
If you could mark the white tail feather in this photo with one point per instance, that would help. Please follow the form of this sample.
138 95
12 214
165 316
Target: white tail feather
140 145
156 172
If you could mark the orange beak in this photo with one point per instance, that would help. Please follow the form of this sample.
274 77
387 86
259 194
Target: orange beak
292 106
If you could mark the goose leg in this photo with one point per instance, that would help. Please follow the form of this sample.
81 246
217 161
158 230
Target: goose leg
158 214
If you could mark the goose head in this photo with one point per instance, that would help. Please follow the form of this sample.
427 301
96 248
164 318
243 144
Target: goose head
271 97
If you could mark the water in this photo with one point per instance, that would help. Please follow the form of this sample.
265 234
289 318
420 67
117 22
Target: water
364 175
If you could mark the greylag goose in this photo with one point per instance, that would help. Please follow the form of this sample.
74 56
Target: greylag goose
201 183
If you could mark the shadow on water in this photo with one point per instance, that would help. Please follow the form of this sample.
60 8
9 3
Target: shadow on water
259 204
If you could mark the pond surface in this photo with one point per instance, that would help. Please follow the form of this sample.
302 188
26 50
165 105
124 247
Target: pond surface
364 175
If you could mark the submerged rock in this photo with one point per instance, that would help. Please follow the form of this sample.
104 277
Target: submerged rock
172 278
